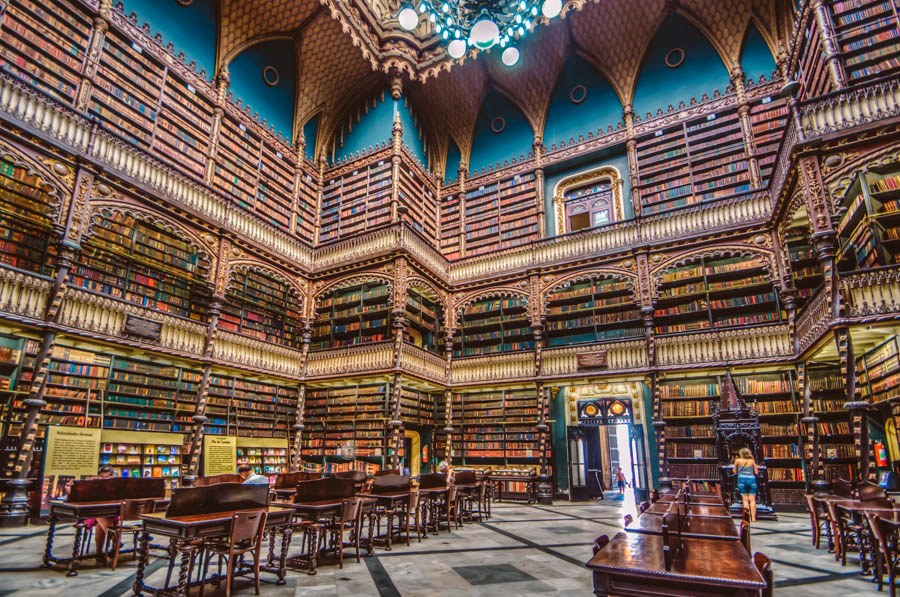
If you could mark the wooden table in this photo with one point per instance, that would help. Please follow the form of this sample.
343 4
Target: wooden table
695 499
390 500
632 564
188 533
708 510
698 527
61 511
432 516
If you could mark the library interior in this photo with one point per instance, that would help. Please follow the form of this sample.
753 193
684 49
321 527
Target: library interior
449 297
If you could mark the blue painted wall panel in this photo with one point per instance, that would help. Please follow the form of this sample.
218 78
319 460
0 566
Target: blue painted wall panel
488 147
274 104
190 29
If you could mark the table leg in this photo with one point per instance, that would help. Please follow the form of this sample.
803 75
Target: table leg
76 549
271 557
313 547
143 558
390 528
286 534
186 557
370 545
48 549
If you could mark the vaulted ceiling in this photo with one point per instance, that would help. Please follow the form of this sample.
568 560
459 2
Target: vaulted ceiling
348 49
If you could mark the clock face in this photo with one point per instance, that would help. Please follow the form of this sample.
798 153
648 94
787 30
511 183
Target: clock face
591 410
617 408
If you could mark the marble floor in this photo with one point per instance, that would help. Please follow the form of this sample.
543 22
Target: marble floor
521 550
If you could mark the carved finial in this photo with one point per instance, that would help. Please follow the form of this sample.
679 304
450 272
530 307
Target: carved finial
396 84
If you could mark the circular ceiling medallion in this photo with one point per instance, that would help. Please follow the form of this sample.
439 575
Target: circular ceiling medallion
498 124
185 2
675 58
270 76
578 94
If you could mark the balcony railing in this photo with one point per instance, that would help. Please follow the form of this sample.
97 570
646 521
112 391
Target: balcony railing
352 359
417 360
745 344
620 356
871 293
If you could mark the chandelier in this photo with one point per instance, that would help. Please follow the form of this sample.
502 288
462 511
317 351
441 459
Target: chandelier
479 24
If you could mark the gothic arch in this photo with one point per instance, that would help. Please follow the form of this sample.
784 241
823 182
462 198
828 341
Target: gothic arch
594 274
485 294
56 187
251 264
157 219
604 172
724 251
353 280
430 291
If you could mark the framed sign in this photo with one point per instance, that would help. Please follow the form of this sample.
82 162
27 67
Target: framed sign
143 328
592 360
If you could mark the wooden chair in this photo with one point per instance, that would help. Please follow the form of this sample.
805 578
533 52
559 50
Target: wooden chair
815 522
823 518
842 488
654 496
129 522
889 545
349 520
850 534
643 507
413 510
452 507
478 500
247 529
599 543
628 519
745 535
764 565
387 471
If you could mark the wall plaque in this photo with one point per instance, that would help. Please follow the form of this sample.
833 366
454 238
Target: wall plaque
143 328
592 360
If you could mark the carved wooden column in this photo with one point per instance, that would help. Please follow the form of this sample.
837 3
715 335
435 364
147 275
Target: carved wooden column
538 149
320 194
222 81
400 325
856 408
200 418
298 180
461 174
645 300
659 428
737 81
299 426
448 394
823 236
631 148
396 146
815 482
438 225
545 479
830 46
89 67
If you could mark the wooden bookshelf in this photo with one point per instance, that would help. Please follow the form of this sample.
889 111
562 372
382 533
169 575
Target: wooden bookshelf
424 315
827 398
141 262
868 36
268 461
419 198
237 164
501 215
715 293
417 407
335 416
698 160
261 409
813 70
869 221
878 373
768 117
497 427
450 226
143 396
26 225
350 316
806 270
44 43
142 460
594 310
274 195
307 202
493 325
183 126
259 305
356 201
127 89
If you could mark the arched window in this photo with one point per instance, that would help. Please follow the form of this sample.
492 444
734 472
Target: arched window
589 205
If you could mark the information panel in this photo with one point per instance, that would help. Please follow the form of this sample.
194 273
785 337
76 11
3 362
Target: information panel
219 455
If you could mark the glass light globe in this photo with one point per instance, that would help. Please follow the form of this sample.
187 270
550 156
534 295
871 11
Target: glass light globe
408 18
456 48
484 34
510 56
551 8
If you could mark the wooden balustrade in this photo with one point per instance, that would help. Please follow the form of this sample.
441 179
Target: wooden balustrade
417 360
620 356
872 292
744 344
352 359
847 108
23 294
492 367
240 350
813 320
101 314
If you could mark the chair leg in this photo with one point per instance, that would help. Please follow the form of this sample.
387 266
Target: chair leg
229 571
340 535
256 553
118 546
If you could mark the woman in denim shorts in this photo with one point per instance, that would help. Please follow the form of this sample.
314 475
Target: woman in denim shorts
746 470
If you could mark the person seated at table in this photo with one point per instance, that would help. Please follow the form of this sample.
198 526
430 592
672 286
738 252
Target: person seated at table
444 468
250 477
746 470
101 524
